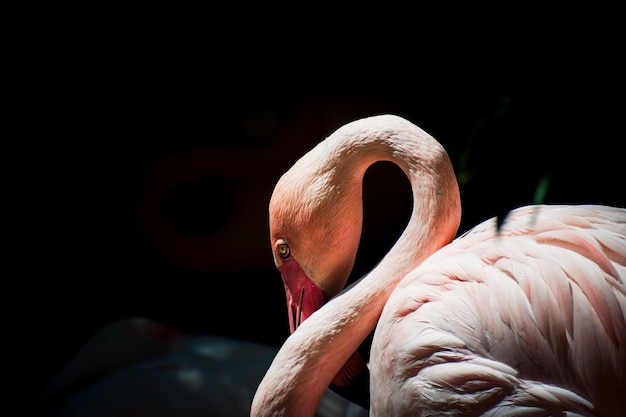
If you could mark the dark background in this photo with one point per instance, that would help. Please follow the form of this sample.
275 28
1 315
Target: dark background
146 158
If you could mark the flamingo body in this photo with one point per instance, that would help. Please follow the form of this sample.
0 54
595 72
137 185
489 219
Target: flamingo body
527 319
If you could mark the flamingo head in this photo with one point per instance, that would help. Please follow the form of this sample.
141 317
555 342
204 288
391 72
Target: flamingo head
314 238
310 276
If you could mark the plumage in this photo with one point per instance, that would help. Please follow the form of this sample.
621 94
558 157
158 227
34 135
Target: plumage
545 307
528 318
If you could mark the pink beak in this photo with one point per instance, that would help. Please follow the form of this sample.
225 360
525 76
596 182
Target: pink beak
304 297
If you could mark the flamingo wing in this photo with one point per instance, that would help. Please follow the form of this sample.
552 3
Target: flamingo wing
531 316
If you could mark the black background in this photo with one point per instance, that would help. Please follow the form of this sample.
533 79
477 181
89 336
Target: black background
146 156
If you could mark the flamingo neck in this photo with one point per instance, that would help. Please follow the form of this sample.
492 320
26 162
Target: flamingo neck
312 356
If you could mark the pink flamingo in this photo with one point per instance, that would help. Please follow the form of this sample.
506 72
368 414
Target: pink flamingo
526 320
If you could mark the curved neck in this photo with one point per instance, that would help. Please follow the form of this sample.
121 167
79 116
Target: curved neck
311 356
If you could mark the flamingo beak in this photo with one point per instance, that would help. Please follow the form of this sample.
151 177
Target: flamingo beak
304 297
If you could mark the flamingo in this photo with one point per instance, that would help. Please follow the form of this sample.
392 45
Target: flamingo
138 367
524 318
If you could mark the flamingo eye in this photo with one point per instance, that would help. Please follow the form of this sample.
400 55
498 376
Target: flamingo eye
283 250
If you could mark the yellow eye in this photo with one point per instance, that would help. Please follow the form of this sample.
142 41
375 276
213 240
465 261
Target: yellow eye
283 250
